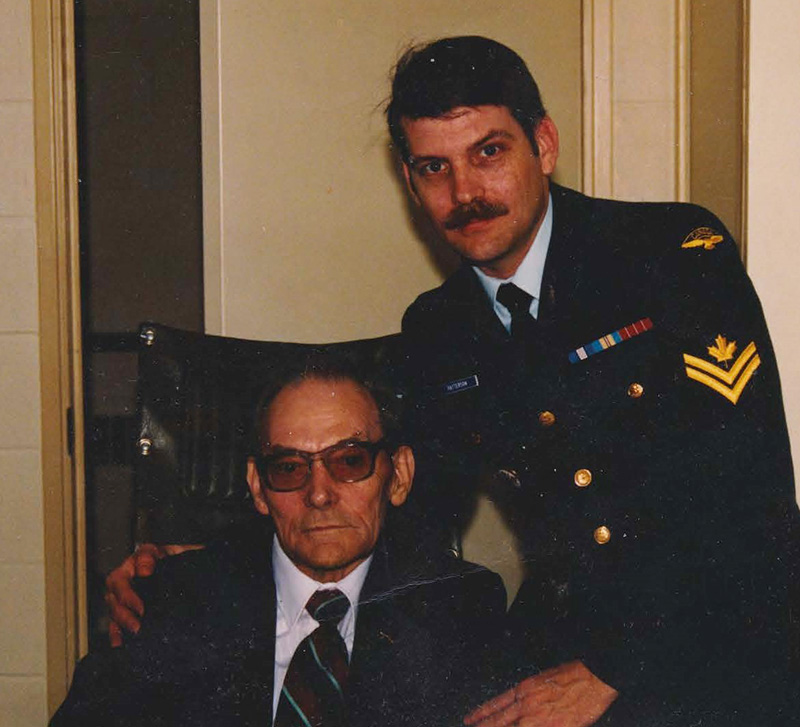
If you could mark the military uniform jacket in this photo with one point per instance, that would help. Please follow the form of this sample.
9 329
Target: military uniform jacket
639 448
205 653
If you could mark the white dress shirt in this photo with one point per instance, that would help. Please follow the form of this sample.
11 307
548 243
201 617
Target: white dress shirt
293 623
528 275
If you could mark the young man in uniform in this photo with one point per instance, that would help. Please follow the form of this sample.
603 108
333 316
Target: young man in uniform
607 364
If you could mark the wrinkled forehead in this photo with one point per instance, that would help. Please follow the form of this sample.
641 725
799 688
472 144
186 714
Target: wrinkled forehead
313 413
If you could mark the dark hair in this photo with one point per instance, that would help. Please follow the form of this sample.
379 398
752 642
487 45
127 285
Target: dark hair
328 364
432 79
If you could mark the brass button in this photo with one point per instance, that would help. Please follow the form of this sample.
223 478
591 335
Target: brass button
475 438
583 478
635 390
510 476
547 418
602 535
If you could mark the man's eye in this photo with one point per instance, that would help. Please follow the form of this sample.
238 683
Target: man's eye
354 457
490 150
287 466
434 166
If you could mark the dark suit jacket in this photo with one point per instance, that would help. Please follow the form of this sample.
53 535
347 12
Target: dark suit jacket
205 653
685 608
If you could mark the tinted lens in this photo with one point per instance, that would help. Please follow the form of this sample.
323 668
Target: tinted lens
350 462
287 472
346 462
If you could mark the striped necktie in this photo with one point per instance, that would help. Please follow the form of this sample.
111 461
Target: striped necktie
316 681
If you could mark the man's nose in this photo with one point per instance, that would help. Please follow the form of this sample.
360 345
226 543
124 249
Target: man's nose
467 184
321 487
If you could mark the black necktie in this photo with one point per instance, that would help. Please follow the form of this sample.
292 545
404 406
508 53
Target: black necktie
518 303
316 681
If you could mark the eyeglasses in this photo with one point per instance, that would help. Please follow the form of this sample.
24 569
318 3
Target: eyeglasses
289 469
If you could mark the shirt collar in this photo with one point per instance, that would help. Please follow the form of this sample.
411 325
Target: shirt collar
528 275
293 587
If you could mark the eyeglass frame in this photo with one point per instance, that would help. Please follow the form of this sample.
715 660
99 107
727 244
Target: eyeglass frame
373 448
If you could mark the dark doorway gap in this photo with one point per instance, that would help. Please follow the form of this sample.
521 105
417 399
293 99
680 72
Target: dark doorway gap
139 160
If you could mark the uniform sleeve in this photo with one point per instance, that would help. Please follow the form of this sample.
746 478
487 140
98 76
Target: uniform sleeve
733 516
727 372
475 637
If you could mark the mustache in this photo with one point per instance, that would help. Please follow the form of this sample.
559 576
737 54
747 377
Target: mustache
478 209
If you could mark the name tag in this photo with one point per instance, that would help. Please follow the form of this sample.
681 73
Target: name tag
459 385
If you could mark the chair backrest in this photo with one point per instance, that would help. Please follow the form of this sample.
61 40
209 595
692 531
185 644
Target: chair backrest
197 395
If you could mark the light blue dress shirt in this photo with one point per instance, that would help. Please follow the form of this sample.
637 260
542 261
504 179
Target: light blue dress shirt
528 275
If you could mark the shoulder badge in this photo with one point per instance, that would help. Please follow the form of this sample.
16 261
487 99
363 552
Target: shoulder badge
704 237
731 380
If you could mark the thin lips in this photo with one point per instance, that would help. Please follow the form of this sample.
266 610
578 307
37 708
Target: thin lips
479 221
330 526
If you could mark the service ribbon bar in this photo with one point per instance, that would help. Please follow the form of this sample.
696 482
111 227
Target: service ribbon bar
610 339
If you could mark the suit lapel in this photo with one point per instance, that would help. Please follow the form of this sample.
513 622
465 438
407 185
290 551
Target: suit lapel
389 654
561 294
376 630
469 307
252 644
585 275
262 656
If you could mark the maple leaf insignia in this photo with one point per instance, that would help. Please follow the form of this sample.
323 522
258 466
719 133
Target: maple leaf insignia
722 350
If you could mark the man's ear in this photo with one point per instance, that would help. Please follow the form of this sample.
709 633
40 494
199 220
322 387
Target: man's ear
254 482
403 475
410 182
546 135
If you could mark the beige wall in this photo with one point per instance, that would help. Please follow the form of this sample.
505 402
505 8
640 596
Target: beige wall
633 93
773 170
22 633
301 197
644 100
717 109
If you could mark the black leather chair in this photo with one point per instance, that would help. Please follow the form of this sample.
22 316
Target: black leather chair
197 395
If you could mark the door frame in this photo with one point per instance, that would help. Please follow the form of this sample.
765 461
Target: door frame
56 182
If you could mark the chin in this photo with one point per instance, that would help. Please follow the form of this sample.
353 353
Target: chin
331 561
479 251
329 558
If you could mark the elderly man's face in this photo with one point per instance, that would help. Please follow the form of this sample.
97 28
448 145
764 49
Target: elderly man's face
327 527
474 173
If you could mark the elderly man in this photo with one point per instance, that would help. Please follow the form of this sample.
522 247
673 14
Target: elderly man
309 619
608 365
